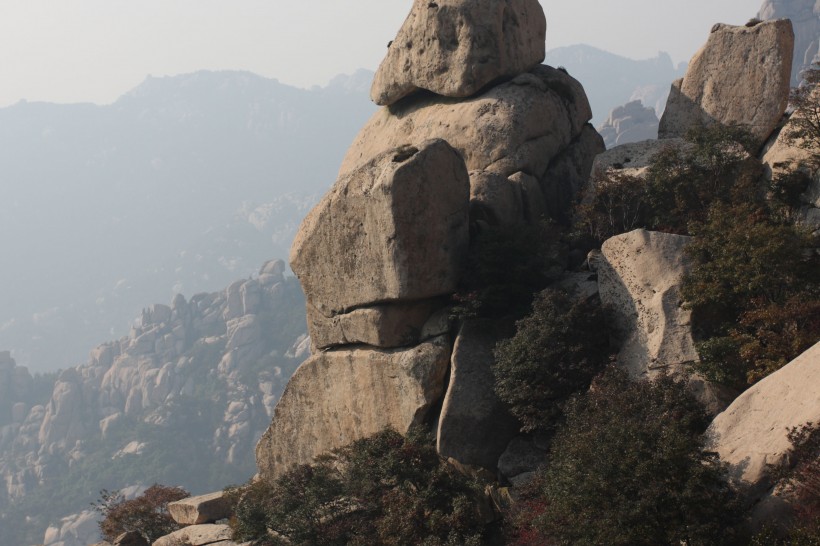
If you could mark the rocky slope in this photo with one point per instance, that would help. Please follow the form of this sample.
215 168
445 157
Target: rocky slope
632 122
185 395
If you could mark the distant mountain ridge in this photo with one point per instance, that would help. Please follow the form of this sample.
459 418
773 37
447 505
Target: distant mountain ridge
103 208
611 80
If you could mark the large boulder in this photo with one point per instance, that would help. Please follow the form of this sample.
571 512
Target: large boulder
396 228
639 278
740 77
198 535
200 509
457 47
474 427
343 395
523 125
752 433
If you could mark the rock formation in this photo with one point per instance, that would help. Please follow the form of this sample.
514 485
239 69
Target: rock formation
224 350
805 18
752 433
632 122
740 77
494 139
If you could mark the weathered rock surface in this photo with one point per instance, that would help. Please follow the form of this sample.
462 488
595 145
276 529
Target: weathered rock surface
386 326
474 427
740 77
519 126
339 396
752 432
200 509
805 18
632 122
394 229
457 47
640 279
198 535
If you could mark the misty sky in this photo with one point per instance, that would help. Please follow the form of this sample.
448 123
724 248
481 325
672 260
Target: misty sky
95 50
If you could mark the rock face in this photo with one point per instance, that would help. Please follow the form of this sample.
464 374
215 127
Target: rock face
394 229
457 47
198 535
805 18
493 140
640 278
752 432
740 77
201 509
343 395
474 427
632 122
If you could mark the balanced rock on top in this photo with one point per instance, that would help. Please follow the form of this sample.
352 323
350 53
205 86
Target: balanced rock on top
457 47
740 77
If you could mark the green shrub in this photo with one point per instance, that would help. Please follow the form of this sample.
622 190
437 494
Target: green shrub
146 514
386 490
556 352
614 203
506 265
628 468
754 293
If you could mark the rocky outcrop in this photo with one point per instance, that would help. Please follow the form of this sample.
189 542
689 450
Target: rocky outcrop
752 433
805 18
78 529
208 508
639 279
740 77
392 230
145 396
498 142
474 427
632 122
343 395
455 48
198 535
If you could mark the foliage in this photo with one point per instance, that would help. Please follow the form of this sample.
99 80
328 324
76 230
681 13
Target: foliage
505 267
803 480
753 291
386 490
614 203
628 468
680 185
556 352
146 514
803 129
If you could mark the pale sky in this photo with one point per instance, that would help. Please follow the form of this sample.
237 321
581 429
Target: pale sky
95 50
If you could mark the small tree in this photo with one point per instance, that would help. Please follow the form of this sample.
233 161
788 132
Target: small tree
628 468
556 352
146 514
803 129
385 490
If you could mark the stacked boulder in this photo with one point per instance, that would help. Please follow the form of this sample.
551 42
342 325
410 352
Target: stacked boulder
473 131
